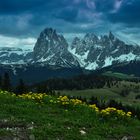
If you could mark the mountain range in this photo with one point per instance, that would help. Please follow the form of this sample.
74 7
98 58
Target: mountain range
52 51
90 52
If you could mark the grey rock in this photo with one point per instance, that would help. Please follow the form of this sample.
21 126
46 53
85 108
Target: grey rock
52 49
14 56
103 49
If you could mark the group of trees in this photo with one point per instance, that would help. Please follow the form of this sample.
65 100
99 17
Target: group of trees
76 83
21 87
79 83
5 84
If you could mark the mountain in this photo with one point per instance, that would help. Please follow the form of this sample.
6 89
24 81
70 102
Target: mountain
93 52
90 52
52 49
14 56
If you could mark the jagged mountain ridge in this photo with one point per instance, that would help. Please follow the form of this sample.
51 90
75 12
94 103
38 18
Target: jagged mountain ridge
90 52
97 52
15 56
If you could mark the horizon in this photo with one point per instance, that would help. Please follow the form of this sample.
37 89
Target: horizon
30 42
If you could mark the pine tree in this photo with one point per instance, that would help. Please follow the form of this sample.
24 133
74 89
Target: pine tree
6 85
21 88
108 84
0 82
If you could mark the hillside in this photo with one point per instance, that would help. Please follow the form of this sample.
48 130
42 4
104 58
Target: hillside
45 117
37 73
128 69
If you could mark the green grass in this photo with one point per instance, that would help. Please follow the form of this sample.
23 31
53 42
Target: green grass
119 75
106 94
52 122
100 93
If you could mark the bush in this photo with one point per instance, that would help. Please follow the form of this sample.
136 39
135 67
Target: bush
137 97
125 92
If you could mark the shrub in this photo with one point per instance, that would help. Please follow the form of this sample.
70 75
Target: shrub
137 97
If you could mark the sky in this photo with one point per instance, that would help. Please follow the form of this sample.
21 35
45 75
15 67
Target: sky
21 21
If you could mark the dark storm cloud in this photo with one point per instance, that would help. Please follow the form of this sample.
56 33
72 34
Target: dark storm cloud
29 17
17 6
129 13
67 14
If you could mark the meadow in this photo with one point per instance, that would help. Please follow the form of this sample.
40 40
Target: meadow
39 116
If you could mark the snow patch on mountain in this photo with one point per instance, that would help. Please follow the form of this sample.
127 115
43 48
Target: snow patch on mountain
92 66
108 61
81 58
127 57
121 58
14 55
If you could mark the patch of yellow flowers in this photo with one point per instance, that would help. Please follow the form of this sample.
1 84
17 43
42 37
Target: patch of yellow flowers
65 101
34 96
94 107
116 112
111 111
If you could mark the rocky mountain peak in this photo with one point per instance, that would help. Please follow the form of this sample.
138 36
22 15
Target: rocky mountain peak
93 52
90 35
49 30
111 36
50 36
52 49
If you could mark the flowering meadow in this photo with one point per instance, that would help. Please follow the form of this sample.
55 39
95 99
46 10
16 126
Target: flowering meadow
58 117
65 101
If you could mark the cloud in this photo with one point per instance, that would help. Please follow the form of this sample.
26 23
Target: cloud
117 6
128 13
23 43
27 18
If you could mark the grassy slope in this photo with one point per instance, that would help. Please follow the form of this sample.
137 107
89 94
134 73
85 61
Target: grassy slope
107 93
53 122
119 75
100 93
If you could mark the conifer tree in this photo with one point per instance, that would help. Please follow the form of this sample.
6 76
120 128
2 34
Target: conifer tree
0 81
21 88
6 84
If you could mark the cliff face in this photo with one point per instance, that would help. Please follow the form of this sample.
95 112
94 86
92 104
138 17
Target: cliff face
52 49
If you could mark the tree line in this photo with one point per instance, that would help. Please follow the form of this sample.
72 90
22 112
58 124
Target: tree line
5 84
80 82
